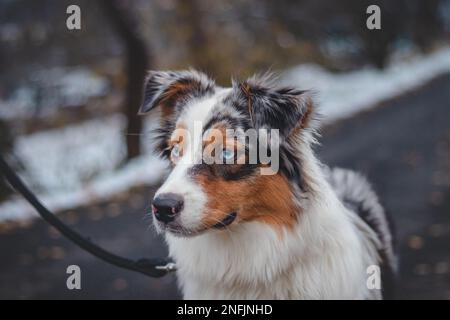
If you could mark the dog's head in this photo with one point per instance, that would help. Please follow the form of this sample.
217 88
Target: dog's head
232 151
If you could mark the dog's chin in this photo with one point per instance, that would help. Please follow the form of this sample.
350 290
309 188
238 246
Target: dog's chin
178 230
181 232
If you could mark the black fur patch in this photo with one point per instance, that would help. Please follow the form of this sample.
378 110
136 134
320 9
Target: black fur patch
228 172
268 107
271 108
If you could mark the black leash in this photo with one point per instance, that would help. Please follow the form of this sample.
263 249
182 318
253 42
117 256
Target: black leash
151 267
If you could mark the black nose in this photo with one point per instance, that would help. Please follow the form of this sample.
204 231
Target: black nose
167 206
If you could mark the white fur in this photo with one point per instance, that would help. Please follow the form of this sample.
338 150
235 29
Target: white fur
194 116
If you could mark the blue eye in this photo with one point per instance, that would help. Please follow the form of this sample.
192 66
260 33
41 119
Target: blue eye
175 153
227 154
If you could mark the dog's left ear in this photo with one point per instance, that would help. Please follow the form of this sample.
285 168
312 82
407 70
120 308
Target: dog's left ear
168 88
268 107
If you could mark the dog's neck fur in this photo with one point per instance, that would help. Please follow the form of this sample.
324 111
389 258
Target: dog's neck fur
325 255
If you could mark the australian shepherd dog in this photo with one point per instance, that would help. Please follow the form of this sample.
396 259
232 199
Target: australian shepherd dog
257 216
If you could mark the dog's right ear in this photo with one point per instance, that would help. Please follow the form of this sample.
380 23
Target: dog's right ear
171 88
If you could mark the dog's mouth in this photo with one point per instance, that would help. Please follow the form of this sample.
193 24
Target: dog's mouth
229 218
180 231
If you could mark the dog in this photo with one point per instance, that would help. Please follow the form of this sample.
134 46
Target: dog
300 231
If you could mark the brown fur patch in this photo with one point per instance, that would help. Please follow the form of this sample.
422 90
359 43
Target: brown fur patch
304 122
176 91
264 198
179 137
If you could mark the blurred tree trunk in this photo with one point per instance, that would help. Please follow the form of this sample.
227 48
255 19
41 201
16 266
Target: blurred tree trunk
378 43
6 143
189 12
427 26
121 17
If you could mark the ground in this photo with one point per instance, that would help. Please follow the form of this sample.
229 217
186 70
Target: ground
402 145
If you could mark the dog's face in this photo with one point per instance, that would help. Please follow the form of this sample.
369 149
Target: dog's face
219 176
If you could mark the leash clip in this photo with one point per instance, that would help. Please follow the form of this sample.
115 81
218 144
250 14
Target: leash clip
168 267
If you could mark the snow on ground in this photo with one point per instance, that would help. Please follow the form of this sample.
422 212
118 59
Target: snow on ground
47 90
75 165
341 95
146 170
64 159
72 166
